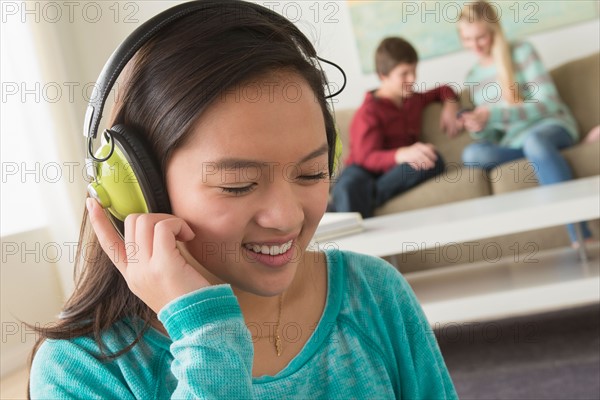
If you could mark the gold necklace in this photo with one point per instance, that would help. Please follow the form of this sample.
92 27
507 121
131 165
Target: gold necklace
276 337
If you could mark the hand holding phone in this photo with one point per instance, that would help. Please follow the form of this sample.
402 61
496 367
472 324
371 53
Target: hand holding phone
463 110
476 119
149 259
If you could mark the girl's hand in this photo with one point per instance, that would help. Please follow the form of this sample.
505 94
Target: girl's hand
449 124
149 260
476 120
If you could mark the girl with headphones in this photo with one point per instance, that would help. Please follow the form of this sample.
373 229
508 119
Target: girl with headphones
207 288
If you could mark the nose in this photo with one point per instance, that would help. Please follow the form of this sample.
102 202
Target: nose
281 208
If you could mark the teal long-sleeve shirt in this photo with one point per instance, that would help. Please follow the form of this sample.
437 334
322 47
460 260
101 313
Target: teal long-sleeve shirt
372 341
509 124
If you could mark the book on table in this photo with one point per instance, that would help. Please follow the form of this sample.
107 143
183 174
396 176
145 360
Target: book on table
336 224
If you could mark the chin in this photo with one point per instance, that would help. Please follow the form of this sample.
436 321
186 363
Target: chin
268 287
264 280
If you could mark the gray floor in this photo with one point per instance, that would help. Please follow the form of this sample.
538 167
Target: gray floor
547 356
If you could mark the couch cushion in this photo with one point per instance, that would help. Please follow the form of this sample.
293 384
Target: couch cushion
450 149
584 160
511 176
578 82
455 184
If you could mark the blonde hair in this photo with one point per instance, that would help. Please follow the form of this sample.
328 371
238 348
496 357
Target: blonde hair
482 11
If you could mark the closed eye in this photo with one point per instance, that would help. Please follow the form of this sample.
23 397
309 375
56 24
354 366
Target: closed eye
238 190
316 177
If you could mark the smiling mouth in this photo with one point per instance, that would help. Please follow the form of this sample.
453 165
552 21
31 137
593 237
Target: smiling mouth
273 250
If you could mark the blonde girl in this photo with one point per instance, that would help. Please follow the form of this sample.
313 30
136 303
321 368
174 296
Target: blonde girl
518 112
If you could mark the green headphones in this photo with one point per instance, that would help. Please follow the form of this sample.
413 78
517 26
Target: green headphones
126 177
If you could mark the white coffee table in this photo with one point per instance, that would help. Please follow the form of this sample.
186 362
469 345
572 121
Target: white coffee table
502 214
497 215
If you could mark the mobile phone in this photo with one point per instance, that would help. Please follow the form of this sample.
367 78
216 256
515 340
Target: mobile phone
463 110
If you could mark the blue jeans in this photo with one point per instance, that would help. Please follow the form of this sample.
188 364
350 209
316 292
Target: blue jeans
541 147
358 190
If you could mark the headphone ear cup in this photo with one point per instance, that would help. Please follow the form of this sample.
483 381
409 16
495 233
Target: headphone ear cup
129 181
337 152
145 167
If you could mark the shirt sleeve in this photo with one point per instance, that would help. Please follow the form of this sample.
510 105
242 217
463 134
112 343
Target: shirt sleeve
62 369
367 142
211 346
540 96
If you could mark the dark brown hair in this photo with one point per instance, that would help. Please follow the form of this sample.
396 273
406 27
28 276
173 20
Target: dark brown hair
169 83
393 51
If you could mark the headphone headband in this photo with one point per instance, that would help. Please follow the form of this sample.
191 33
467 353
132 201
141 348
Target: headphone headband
127 49
121 56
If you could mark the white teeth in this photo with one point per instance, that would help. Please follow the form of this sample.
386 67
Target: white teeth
270 250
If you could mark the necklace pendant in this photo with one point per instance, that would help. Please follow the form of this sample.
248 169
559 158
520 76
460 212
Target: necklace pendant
278 345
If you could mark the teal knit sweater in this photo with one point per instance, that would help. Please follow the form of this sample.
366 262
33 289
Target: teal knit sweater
372 341
508 124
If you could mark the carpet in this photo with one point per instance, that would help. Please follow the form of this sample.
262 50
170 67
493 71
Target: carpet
547 356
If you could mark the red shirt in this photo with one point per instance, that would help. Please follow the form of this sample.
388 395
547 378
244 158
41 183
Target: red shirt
379 127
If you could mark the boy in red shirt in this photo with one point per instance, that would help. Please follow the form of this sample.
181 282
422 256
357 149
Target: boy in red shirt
386 157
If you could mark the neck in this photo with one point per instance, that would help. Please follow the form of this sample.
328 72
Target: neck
486 60
385 94
259 308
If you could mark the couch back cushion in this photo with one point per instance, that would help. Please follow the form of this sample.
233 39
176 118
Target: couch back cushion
578 82
451 149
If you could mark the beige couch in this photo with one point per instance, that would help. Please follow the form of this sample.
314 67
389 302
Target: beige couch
577 82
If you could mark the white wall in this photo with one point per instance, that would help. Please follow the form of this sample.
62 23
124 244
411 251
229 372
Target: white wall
31 293
87 45
336 43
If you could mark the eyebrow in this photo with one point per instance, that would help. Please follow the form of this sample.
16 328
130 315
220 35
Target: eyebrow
240 163
316 153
